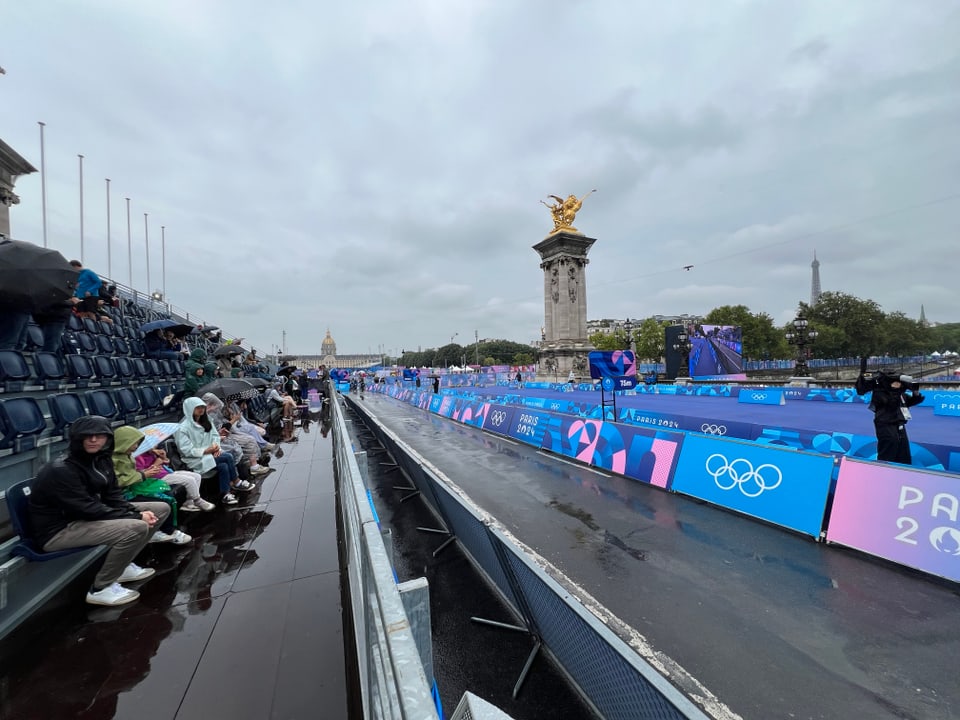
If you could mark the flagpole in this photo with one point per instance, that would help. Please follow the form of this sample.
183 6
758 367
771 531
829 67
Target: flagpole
81 207
163 259
109 251
43 183
146 240
129 249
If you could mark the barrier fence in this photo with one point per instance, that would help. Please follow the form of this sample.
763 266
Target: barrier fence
611 676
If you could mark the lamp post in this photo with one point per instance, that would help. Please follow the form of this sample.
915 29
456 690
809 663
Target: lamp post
628 328
683 346
801 336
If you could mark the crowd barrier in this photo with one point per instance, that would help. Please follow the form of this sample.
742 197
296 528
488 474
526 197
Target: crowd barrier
610 675
903 514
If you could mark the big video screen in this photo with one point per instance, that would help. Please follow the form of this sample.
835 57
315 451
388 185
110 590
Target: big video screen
716 352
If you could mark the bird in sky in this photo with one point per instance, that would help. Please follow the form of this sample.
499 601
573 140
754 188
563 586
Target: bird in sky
687 267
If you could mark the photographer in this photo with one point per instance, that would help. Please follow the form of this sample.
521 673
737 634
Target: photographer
891 400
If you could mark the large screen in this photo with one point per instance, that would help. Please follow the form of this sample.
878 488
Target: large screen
716 352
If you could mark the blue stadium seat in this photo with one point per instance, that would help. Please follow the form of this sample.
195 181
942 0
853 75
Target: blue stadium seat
69 343
14 371
79 370
121 346
155 372
128 405
90 325
34 337
105 345
125 371
141 368
101 402
18 501
105 369
74 323
150 399
106 328
137 349
50 370
65 409
21 423
88 346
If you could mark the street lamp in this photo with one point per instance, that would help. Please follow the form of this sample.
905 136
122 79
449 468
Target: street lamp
801 336
683 346
628 327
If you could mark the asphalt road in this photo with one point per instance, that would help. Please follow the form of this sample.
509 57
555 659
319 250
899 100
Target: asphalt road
772 623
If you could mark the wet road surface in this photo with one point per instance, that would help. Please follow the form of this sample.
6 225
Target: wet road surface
774 624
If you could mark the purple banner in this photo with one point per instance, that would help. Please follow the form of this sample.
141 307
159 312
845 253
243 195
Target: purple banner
529 426
901 514
498 419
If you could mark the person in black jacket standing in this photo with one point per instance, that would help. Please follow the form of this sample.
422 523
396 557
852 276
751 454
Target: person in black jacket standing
891 400
76 502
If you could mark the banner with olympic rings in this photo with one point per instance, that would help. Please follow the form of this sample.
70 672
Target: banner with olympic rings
783 487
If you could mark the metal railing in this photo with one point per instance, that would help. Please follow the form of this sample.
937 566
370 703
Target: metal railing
393 682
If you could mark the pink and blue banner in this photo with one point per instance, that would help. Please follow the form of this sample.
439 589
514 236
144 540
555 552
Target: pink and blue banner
902 514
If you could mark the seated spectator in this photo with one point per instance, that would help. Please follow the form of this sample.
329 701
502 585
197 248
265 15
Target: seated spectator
158 347
234 413
154 463
137 487
247 445
199 371
288 404
199 446
176 344
76 502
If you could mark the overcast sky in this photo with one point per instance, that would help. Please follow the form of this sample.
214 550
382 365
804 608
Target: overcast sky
375 168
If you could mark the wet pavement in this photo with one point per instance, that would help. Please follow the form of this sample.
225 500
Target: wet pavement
244 622
772 623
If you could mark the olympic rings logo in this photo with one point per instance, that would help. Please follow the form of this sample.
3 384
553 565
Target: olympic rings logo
713 429
752 482
498 417
759 396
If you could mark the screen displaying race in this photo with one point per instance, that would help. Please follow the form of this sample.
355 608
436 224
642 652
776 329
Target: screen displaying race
717 352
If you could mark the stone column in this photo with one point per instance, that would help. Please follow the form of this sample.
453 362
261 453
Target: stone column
563 261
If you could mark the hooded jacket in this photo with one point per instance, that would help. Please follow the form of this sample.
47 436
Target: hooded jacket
79 486
193 382
124 466
192 438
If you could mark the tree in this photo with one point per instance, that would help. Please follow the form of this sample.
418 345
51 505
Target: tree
860 321
607 341
650 339
903 336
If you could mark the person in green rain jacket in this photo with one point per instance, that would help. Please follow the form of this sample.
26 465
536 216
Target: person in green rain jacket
136 486
199 371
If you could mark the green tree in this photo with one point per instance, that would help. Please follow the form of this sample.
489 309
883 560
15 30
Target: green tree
903 337
650 340
607 341
945 337
860 321
523 359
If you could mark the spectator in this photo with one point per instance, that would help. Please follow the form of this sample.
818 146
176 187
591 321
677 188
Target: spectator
53 321
199 446
76 502
247 446
154 463
286 403
88 290
137 487
158 347
199 371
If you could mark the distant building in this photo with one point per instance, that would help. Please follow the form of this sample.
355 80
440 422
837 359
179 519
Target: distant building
815 280
328 356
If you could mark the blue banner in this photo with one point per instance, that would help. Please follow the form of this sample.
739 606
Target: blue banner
529 426
499 419
612 363
761 396
945 403
783 487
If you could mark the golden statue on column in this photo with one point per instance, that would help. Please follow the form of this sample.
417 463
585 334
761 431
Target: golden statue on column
565 211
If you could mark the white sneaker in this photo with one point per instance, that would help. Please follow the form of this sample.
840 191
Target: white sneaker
190 506
160 536
259 470
203 505
244 486
229 499
115 594
134 572
179 537
269 446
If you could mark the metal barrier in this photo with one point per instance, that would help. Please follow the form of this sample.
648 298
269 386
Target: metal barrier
610 674
393 683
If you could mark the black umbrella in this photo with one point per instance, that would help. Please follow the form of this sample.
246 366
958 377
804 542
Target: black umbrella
286 370
258 383
33 277
178 328
229 351
230 389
